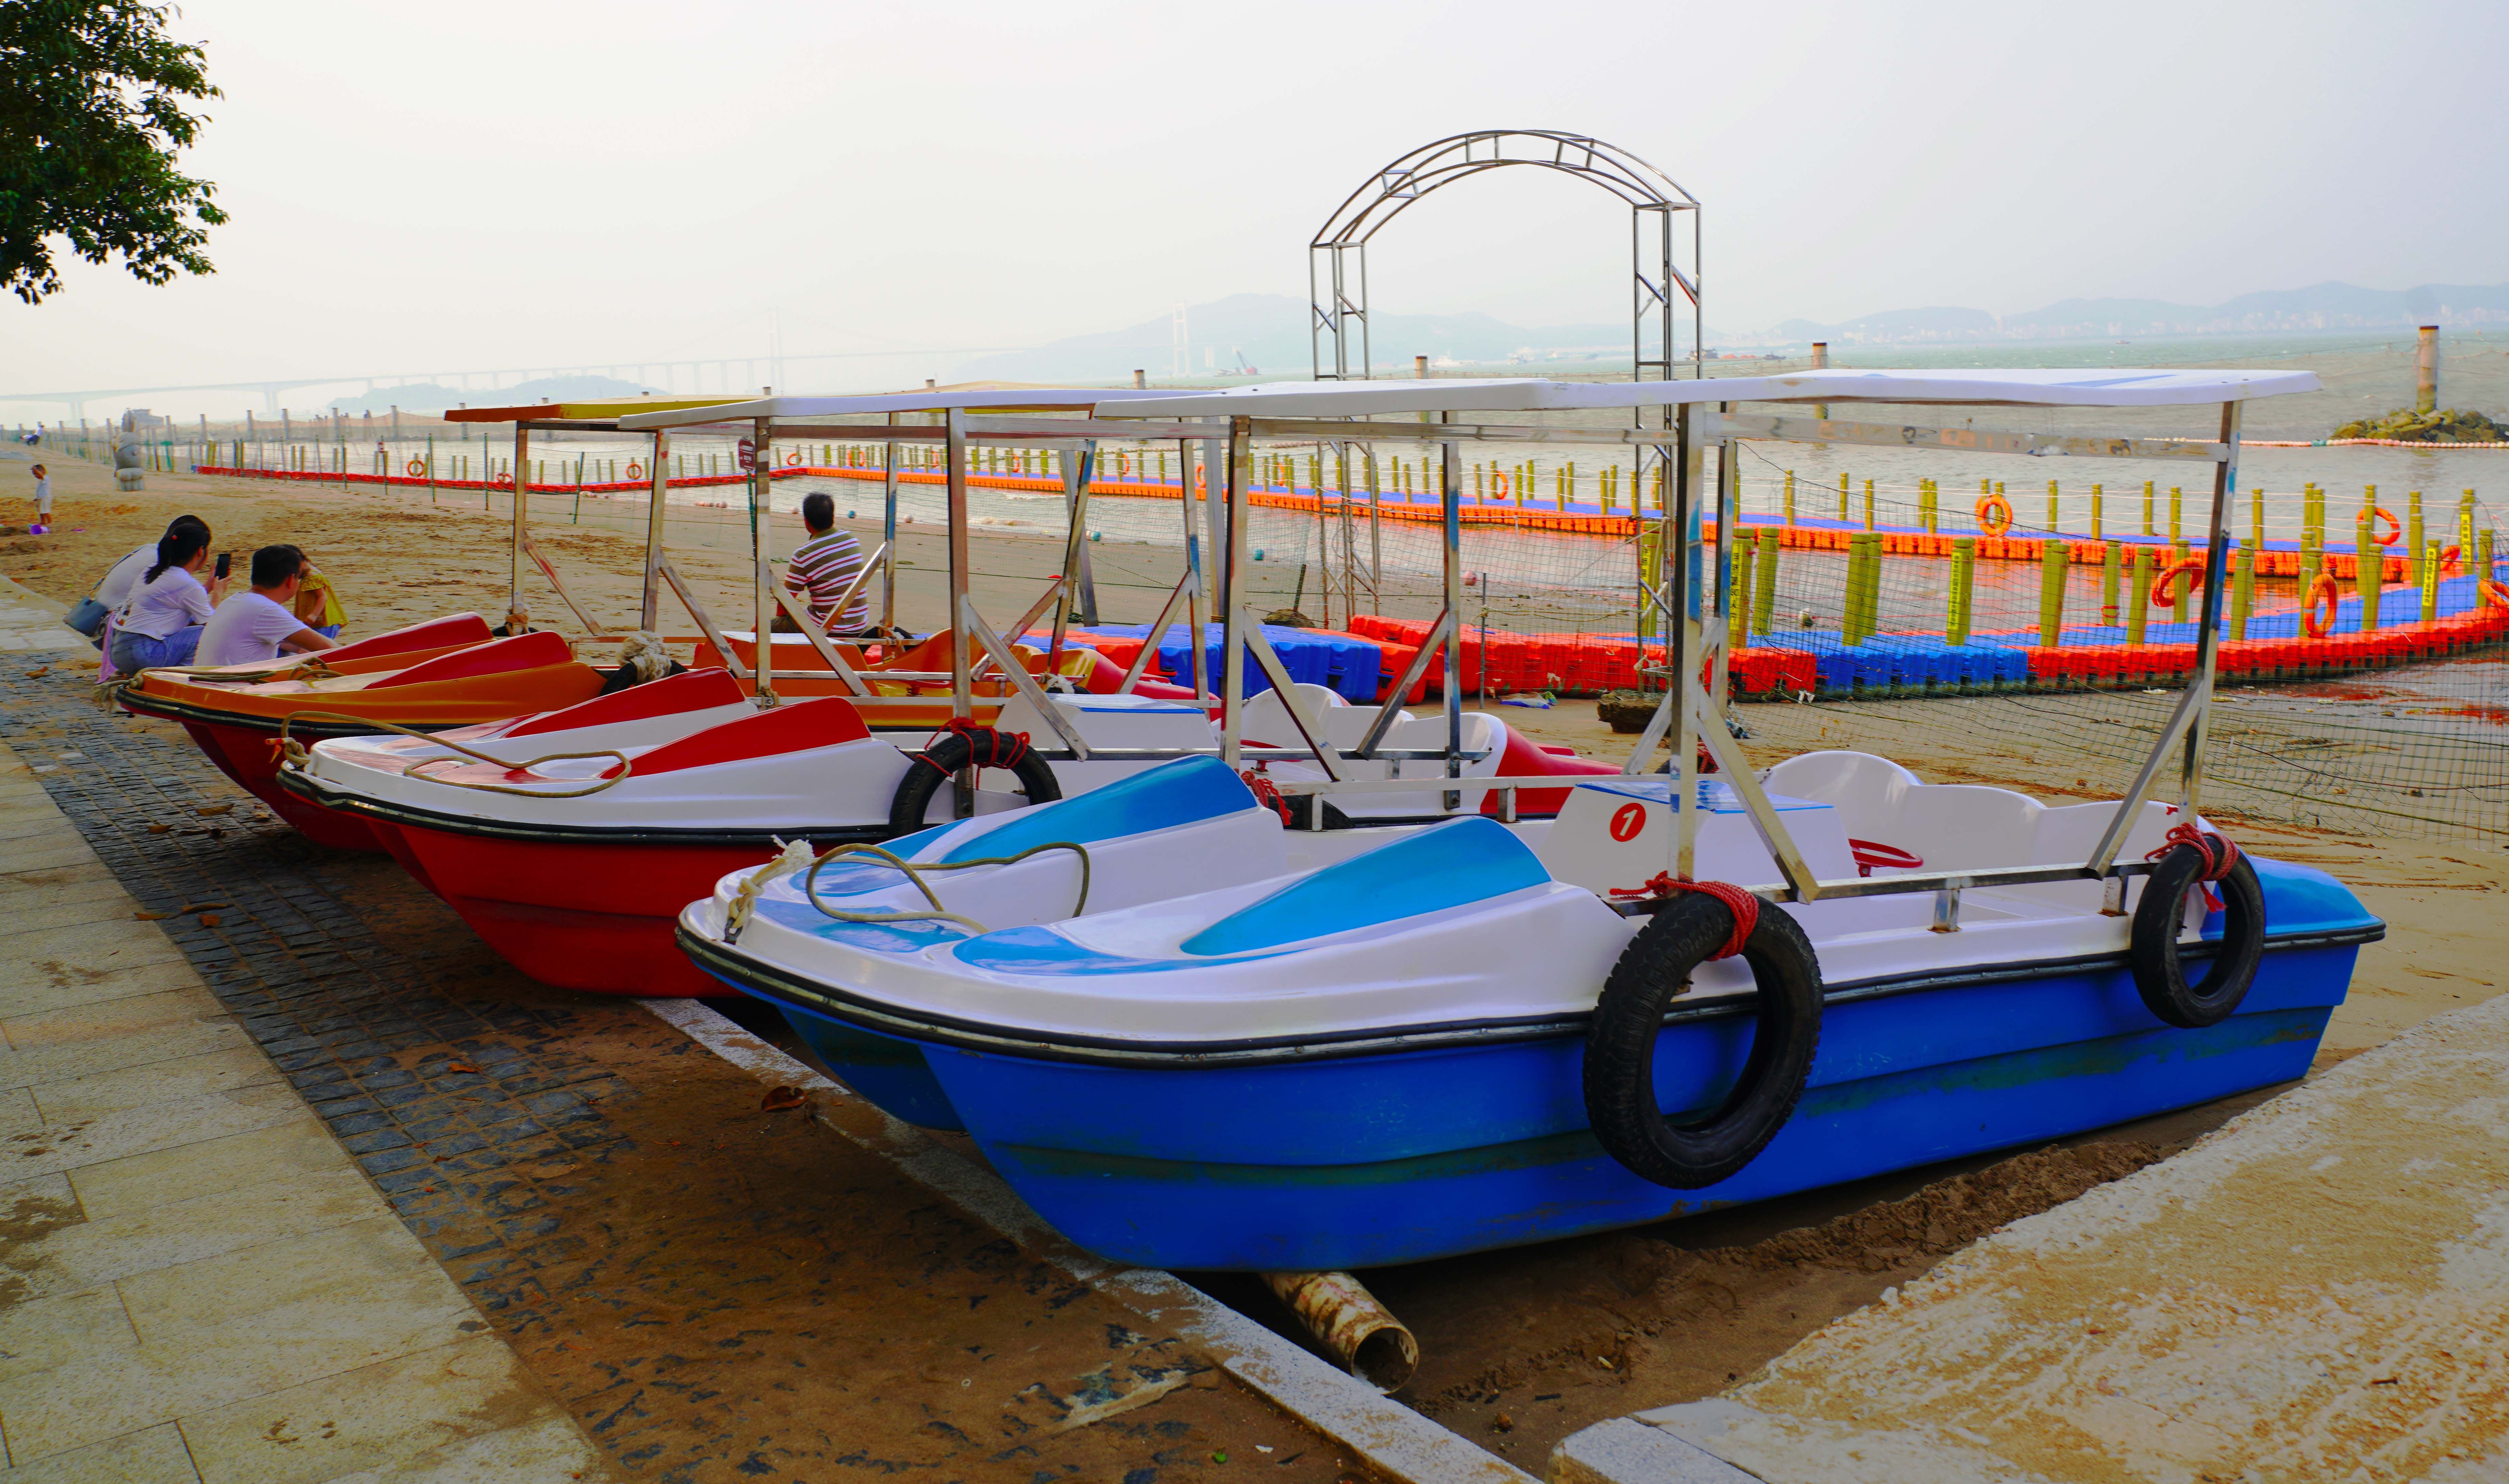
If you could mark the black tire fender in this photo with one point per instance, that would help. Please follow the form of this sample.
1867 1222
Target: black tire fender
2159 969
1618 1076
942 759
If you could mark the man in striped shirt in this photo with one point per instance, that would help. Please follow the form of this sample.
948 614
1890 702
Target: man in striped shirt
823 568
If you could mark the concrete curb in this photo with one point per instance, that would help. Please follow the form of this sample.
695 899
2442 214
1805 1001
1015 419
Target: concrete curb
1393 1440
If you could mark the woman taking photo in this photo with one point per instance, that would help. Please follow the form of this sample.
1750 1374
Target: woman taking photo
163 625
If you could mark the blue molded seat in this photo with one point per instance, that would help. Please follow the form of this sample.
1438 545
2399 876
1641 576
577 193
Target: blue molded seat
1462 861
1185 792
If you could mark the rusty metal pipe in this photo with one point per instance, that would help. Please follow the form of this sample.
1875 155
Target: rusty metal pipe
1369 1341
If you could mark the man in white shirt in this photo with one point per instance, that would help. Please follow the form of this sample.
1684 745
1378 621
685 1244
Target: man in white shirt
254 626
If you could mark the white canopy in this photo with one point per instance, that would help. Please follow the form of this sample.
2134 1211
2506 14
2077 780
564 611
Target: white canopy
2018 387
792 408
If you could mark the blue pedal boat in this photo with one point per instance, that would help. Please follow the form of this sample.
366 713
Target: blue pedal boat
1190 1038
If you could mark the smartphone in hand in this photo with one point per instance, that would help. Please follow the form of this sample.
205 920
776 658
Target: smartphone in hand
226 560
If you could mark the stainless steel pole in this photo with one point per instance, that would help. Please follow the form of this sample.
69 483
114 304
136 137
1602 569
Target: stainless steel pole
1681 642
1197 589
2208 629
514 618
761 465
1232 594
888 537
1450 493
954 442
650 610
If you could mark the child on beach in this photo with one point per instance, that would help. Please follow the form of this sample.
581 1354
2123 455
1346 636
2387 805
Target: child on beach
43 498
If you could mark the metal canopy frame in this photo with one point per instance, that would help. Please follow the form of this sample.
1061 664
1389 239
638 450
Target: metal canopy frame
1698 599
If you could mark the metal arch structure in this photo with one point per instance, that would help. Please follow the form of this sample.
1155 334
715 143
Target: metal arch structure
1337 257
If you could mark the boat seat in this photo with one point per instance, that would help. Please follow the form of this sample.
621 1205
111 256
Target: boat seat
1186 792
790 728
502 656
689 690
434 634
1449 865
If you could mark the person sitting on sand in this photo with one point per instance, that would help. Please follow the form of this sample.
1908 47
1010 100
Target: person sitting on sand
164 621
254 626
823 568
124 580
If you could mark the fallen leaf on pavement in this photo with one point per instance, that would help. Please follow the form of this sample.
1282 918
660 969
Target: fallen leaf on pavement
780 1099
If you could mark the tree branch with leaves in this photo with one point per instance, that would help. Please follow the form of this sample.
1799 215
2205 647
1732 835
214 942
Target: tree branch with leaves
94 108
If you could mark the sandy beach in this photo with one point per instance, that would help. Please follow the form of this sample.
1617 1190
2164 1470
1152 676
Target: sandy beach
1629 1320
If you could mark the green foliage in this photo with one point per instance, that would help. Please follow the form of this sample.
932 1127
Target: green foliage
2447 426
92 114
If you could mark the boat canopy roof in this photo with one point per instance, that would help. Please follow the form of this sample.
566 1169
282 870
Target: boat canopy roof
2106 387
778 409
576 412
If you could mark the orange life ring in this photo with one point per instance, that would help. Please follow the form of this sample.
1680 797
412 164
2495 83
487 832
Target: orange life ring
1990 522
635 471
2492 593
2396 528
793 460
2323 592
2451 559
2161 596
1500 487
1201 485
416 468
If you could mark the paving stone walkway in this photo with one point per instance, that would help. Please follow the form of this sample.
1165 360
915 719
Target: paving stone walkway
704 1288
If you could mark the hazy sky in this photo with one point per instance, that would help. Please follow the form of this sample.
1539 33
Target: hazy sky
468 185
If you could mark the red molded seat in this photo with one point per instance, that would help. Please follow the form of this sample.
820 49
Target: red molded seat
523 651
790 728
689 690
433 634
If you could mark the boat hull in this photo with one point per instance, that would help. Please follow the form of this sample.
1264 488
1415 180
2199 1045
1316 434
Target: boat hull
578 914
249 755
1361 1160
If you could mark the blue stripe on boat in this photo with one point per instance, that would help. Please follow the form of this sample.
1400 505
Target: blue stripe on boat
1044 952
1185 792
1465 860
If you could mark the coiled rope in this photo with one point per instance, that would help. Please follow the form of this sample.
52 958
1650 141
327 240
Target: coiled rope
2215 865
294 753
1745 906
986 747
795 856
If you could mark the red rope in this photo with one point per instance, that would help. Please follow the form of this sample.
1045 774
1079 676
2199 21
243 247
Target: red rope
1745 906
1268 793
2215 868
987 746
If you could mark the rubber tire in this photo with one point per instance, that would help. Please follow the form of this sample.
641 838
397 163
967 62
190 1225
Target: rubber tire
2160 974
1621 1040
914 797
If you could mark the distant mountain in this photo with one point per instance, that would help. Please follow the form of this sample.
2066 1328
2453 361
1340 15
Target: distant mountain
1269 333
2320 307
429 397
1894 327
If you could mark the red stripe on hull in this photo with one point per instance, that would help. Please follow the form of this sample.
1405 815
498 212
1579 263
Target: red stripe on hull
251 758
578 916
